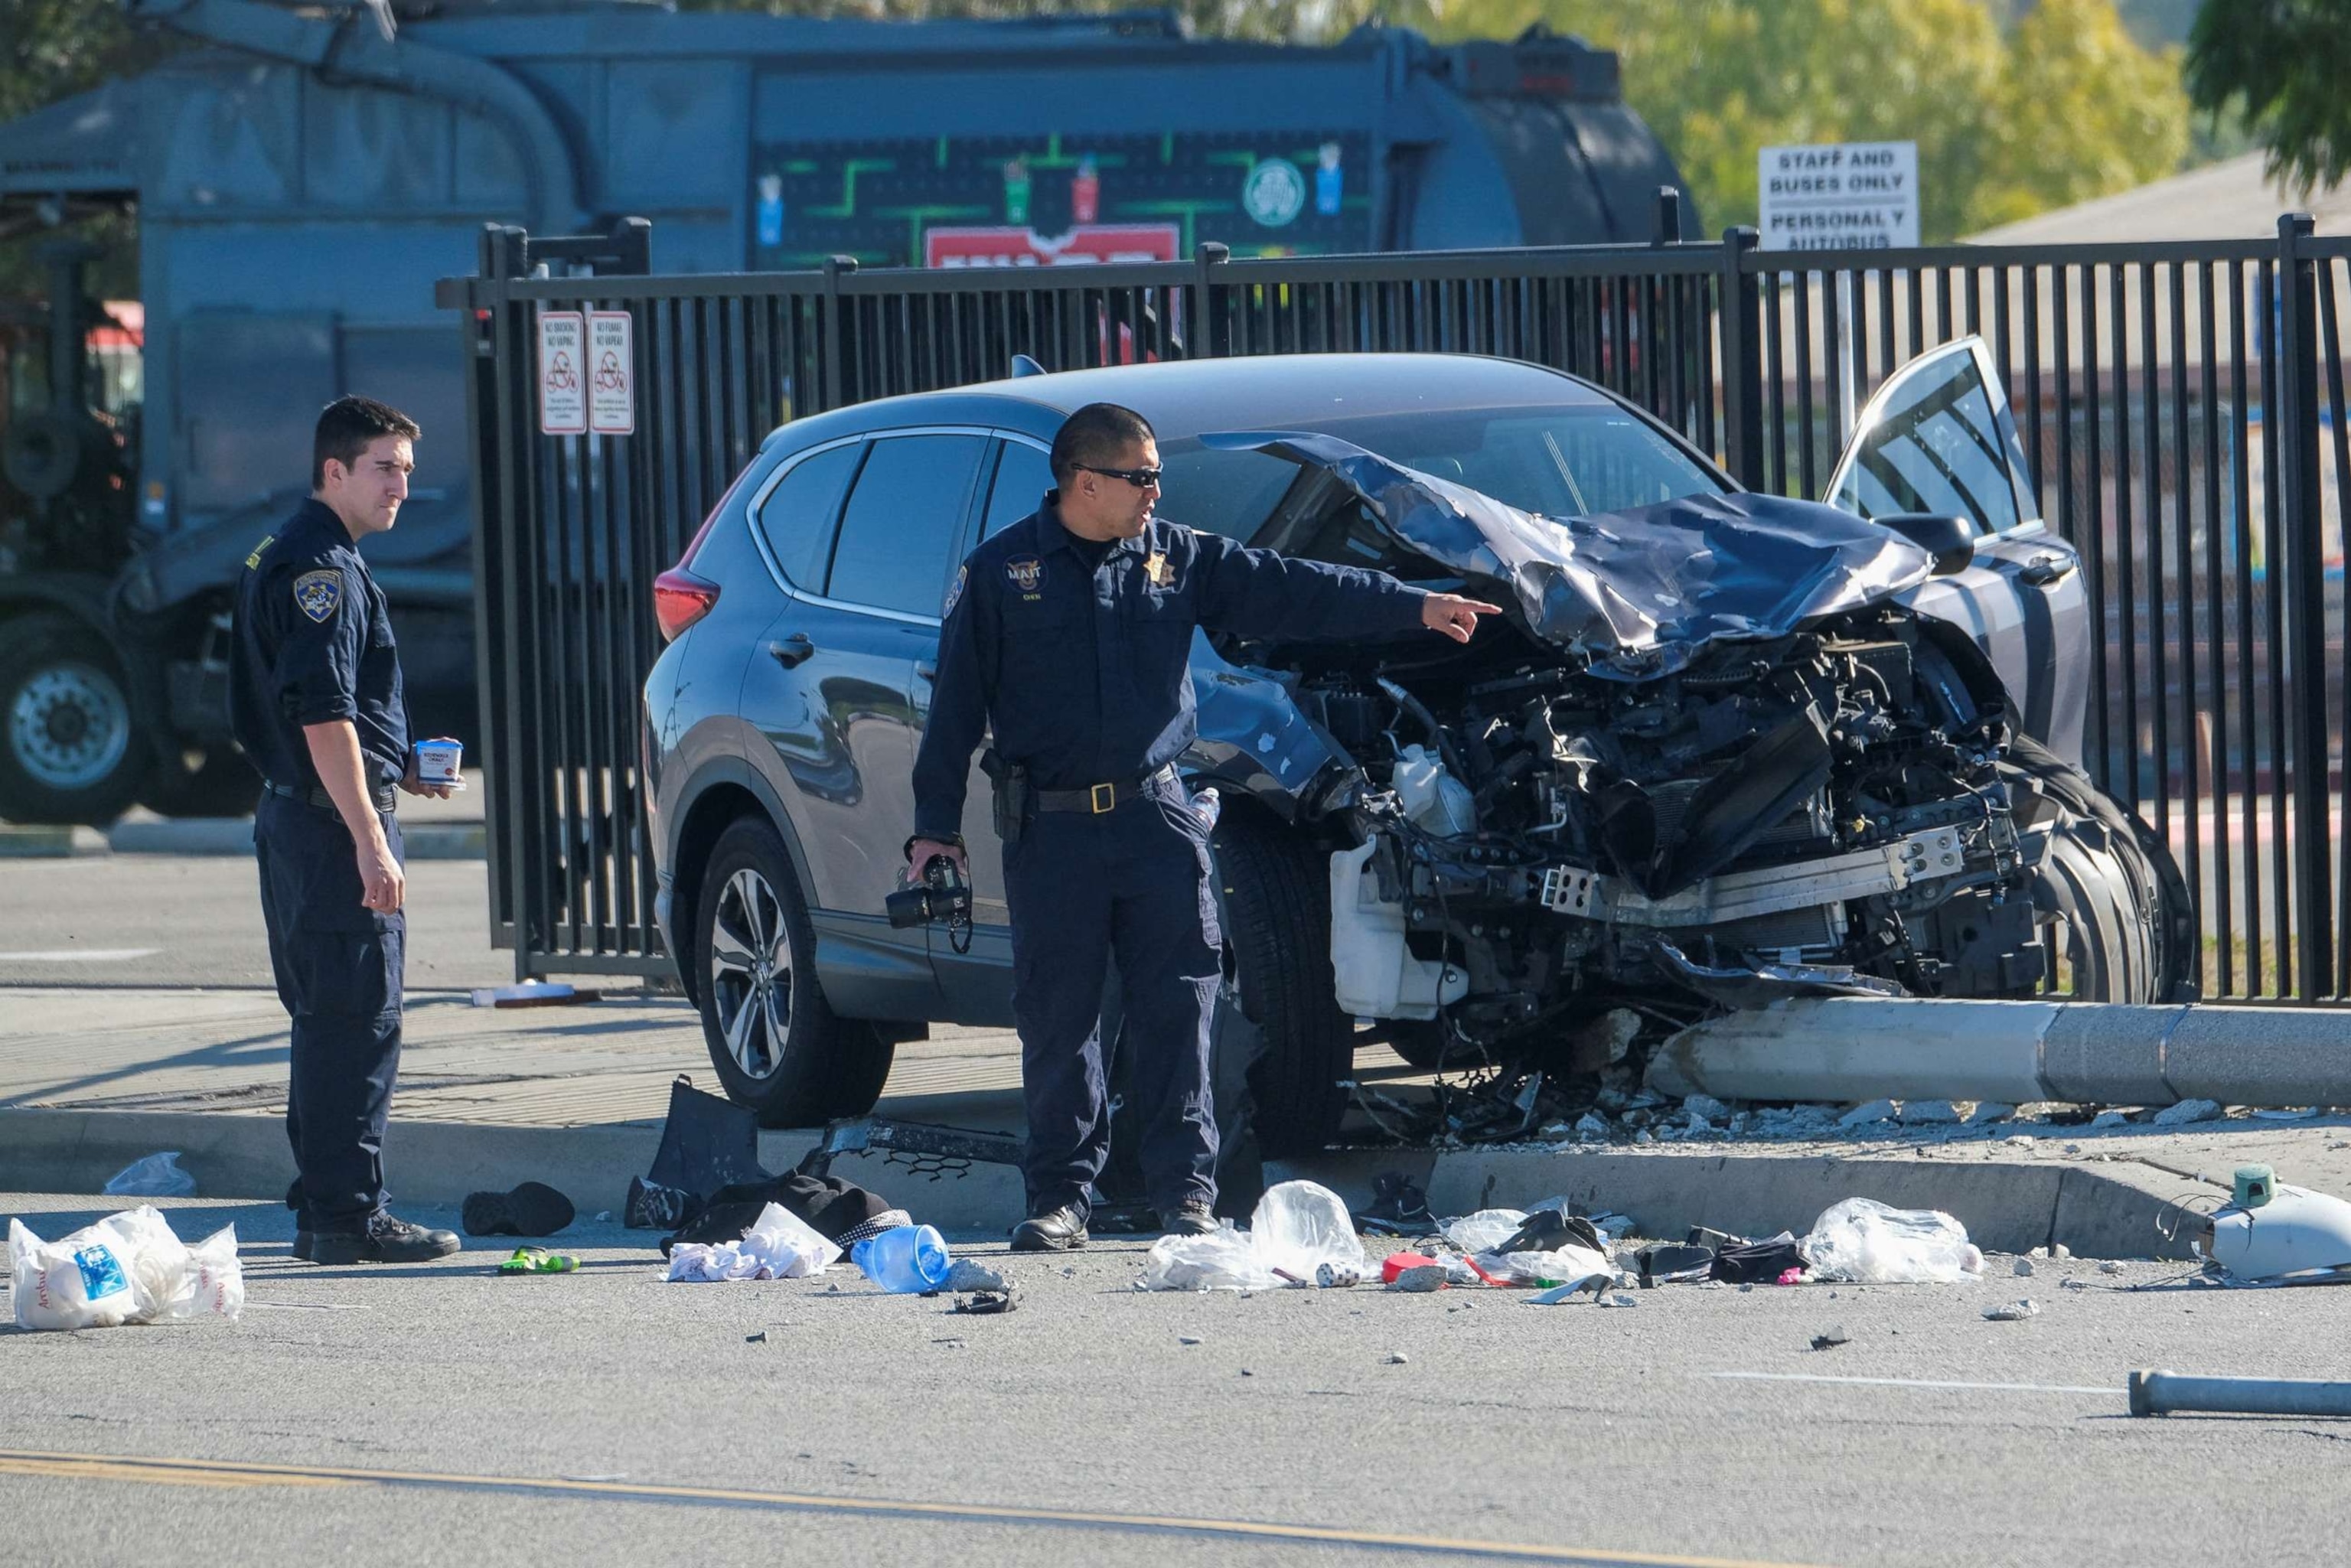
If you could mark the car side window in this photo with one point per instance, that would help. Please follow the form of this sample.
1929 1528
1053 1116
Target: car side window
1940 447
1022 478
902 521
797 515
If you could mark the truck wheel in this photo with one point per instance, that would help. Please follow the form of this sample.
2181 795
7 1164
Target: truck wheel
223 785
67 749
1277 914
2129 929
774 1040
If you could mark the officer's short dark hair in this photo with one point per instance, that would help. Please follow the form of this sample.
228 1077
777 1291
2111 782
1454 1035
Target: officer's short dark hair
1097 434
347 425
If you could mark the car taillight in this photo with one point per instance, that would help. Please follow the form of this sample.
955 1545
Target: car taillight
681 598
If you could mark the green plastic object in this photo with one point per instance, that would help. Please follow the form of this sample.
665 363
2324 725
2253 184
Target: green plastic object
2256 1185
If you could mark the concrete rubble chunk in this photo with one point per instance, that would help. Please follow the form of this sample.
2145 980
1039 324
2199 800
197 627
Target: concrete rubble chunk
2188 1111
1187 1339
2011 1312
2111 1118
1398 1358
1929 1113
2061 1250
1622 1301
1707 1107
1988 1112
1864 1115
1830 1338
1591 1127
2024 1268
2109 1266
970 1275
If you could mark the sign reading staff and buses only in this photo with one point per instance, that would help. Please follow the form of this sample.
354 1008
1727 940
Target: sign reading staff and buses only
587 373
1852 195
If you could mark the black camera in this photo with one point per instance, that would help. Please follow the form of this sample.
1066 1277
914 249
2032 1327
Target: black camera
939 897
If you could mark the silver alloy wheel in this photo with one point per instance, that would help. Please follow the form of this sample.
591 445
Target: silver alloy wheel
69 725
751 972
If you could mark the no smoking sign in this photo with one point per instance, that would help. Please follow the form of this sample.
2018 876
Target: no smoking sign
587 373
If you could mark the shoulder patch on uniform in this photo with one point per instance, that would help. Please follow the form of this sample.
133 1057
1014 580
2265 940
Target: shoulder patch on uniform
955 592
318 593
1025 572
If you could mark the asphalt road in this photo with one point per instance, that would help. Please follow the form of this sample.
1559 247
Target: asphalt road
195 920
439 1412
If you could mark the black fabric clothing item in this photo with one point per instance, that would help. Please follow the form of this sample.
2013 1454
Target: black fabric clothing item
1675 1263
1759 1262
1084 671
836 1209
338 968
310 642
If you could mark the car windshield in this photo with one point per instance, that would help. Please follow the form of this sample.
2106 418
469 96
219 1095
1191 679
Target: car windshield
1559 462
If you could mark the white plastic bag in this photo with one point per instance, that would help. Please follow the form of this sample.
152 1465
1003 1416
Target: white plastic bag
216 1279
80 1283
1484 1231
1223 1260
157 1175
1864 1241
1299 1226
778 1246
128 1268
1569 1262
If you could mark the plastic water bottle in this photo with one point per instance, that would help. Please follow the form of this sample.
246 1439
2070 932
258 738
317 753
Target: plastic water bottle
905 1262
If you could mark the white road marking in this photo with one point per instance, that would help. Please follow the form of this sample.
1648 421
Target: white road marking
1918 1383
80 955
302 1307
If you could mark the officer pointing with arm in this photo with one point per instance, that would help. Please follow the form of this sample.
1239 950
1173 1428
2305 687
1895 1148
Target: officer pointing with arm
315 700
1071 632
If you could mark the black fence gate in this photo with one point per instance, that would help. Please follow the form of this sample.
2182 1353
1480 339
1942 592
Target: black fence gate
2182 407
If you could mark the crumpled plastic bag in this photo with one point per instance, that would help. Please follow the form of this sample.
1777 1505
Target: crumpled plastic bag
128 1268
1297 1227
157 1175
1868 1243
1484 1231
779 1245
1568 1264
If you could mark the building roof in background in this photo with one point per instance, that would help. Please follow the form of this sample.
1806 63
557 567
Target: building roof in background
2230 200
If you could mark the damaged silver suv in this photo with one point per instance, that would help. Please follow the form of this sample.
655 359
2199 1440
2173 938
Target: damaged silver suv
1723 748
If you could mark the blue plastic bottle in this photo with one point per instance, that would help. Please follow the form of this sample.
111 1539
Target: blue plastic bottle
904 1262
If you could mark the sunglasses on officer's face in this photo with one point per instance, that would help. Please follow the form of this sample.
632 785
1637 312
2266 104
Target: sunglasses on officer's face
1141 478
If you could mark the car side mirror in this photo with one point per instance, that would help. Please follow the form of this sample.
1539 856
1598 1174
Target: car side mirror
1951 540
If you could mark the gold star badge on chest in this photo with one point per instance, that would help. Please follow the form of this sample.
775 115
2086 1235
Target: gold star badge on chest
1157 569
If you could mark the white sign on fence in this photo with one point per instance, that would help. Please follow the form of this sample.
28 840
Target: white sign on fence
1852 196
612 374
562 384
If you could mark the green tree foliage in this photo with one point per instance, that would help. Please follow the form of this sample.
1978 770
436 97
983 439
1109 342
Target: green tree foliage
1264 21
2063 107
2284 68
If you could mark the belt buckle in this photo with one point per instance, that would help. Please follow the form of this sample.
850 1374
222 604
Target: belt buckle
1100 798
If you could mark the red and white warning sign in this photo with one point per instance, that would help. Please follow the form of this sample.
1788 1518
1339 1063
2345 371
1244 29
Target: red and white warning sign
562 374
612 374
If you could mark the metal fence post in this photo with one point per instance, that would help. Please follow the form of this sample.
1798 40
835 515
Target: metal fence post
1208 259
1742 360
830 390
2306 568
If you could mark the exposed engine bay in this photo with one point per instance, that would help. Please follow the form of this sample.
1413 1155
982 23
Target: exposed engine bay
1819 812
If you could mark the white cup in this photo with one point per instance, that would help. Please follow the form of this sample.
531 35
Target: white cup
439 761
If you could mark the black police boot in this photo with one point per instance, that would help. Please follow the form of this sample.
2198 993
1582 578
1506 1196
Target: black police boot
1191 1218
384 1240
1055 1230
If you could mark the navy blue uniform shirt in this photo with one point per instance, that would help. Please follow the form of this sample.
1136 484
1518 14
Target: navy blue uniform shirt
312 643
1086 671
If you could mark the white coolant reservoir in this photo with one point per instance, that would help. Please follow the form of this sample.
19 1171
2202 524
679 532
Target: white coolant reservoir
2295 1234
1431 797
1374 973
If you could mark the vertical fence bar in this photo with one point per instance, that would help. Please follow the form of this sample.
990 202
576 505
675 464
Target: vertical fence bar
1744 375
2305 574
2215 631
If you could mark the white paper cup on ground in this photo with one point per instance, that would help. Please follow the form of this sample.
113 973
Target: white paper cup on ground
441 762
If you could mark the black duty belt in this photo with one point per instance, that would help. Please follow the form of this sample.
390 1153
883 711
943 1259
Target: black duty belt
1100 798
384 797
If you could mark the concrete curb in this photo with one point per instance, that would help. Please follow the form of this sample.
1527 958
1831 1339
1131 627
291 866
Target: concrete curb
2110 1211
233 836
19 842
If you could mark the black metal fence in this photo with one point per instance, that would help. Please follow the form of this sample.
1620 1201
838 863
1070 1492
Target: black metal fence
2183 408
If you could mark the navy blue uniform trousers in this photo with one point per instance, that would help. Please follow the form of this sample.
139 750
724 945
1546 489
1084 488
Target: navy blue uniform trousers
340 969
1131 883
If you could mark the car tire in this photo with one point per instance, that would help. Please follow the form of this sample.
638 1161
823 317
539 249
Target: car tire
1277 914
2130 929
775 1042
69 747
223 785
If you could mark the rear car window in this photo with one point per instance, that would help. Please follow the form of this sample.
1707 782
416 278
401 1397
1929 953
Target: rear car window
1022 478
797 517
902 521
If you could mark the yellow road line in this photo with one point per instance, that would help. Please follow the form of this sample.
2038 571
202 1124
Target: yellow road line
218 1473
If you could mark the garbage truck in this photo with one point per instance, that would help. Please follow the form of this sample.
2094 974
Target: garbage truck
301 175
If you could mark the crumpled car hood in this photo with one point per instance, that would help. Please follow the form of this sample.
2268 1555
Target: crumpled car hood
1638 593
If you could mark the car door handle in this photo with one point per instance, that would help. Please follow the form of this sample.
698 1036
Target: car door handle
2043 571
927 668
790 650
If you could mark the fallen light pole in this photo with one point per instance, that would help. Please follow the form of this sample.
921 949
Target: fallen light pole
2167 1393
1849 1048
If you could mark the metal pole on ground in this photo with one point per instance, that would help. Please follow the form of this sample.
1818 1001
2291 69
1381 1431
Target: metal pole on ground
2167 1393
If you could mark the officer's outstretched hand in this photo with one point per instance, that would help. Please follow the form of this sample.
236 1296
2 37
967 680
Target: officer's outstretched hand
1455 616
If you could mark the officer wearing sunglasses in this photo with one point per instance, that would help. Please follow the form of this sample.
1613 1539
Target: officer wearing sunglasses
1070 632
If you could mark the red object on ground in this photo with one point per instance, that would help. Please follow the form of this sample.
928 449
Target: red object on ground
1398 1263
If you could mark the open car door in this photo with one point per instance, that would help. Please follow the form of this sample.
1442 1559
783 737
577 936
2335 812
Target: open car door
1938 437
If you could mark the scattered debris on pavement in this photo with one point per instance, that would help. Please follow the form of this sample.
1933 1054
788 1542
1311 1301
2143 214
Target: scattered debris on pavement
157 1175
1867 1242
2270 1233
531 1208
1829 1339
2012 1311
779 1246
128 1268
539 1261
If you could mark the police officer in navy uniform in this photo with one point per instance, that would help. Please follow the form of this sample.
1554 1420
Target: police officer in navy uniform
1069 631
315 700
